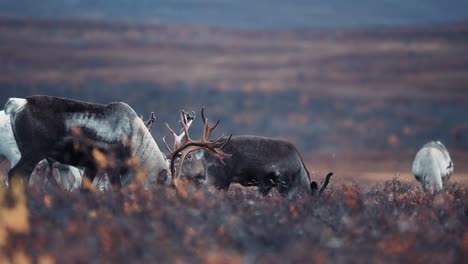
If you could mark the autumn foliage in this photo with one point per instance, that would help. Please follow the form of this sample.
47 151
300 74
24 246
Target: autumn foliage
389 222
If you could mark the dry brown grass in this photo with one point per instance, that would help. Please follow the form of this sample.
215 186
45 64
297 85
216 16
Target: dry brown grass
389 222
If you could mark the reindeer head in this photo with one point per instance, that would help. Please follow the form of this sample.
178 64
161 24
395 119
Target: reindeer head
193 163
190 150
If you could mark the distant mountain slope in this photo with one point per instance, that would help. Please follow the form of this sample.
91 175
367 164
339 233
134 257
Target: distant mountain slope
330 91
423 62
246 14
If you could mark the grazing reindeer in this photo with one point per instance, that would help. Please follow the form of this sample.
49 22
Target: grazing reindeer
257 161
432 166
40 122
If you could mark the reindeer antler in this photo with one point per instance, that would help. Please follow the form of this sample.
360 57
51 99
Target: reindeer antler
151 121
204 143
207 130
186 119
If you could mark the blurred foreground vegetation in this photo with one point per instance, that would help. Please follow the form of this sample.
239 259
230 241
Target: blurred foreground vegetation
390 222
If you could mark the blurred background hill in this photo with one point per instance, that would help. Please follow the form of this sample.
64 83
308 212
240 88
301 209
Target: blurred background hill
245 14
358 87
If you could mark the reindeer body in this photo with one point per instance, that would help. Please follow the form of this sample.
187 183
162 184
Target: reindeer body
259 161
41 122
432 166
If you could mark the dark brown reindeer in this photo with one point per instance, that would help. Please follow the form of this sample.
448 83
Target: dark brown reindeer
254 161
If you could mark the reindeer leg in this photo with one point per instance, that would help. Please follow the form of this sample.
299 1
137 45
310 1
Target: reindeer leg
115 182
223 186
325 183
264 189
313 187
267 182
284 186
22 170
216 175
222 183
63 174
88 175
114 178
50 175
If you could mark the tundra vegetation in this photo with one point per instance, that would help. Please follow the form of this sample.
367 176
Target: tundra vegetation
140 223
388 222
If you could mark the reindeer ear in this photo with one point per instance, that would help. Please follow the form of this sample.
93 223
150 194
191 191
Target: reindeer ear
14 105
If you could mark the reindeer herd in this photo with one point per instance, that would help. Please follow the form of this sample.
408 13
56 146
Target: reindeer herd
87 142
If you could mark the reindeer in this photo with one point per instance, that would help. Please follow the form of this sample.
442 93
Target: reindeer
432 166
254 161
42 126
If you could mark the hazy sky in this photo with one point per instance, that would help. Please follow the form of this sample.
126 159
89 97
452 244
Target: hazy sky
252 14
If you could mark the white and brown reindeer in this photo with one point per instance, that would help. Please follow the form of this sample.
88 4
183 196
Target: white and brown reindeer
70 177
42 127
253 161
432 166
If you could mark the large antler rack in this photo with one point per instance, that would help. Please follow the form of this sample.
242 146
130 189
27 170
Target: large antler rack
215 147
